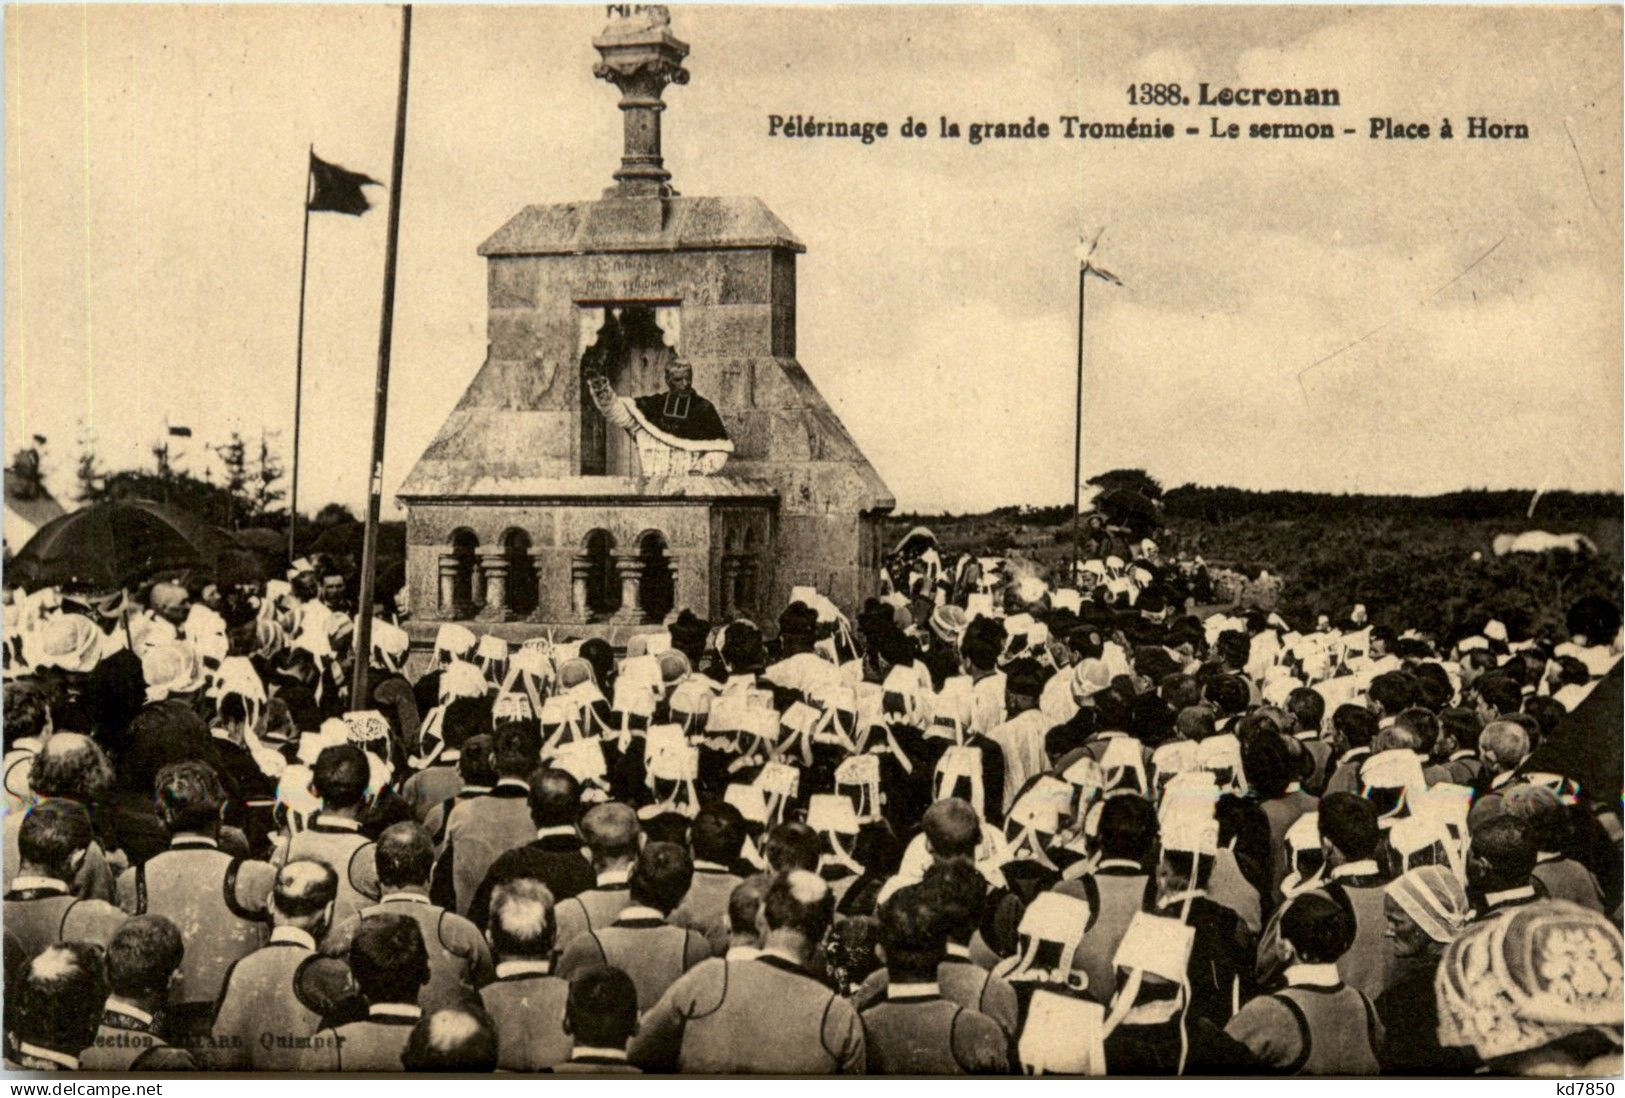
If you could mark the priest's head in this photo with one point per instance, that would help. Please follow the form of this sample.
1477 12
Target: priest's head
679 375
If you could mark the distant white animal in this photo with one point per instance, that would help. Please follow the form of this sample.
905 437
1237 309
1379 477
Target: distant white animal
1539 541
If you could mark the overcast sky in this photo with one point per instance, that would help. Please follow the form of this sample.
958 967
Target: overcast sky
154 174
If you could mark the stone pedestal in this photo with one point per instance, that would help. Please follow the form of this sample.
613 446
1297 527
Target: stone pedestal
494 567
640 57
453 604
630 570
580 573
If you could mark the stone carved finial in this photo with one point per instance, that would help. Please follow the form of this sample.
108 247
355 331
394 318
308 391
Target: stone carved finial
640 57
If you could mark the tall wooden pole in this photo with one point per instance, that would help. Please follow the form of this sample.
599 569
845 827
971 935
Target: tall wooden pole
1077 434
380 415
299 366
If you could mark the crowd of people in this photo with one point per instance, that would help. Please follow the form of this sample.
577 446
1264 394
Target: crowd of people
983 825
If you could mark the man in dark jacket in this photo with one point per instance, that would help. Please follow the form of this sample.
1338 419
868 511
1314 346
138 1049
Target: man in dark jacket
554 856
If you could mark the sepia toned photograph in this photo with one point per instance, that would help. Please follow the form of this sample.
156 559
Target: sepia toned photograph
870 540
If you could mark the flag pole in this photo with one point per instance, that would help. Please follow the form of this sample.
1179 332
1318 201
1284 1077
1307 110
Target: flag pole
1077 434
375 469
299 367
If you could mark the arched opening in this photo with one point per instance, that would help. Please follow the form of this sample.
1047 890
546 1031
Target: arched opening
523 592
657 592
464 594
630 350
603 584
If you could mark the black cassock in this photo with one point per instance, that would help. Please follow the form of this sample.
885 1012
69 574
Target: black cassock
682 415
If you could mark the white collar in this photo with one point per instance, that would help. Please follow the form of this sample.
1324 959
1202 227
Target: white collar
1295 787
741 953
1546 857
957 950
1465 753
1502 779
549 832
1354 869
294 934
394 1010
1302 975
1126 863
1306 734
517 783
1353 753
580 1051
473 790
613 877
523 968
638 911
1521 892
38 1053
408 897
183 841
31 884
127 1008
701 863
912 991
343 822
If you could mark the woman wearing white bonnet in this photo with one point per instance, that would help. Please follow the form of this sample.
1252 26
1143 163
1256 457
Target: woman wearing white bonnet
1426 909
1536 992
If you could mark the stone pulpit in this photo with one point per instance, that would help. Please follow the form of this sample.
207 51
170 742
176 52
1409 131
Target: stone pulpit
547 501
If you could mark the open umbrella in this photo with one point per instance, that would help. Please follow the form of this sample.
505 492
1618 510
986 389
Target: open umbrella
111 545
1585 745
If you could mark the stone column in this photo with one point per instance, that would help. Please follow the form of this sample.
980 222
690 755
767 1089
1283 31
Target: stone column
450 566
580 572
494 566
640 57
630 569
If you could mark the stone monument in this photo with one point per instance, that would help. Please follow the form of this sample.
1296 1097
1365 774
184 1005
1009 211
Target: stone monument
554 497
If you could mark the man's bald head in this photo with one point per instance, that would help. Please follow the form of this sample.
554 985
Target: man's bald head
952 829
611 832
522 923
457 1040
799 901
303 889
1503 744
405 856
70 765
555 798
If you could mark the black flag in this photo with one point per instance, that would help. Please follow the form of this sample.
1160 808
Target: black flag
338 190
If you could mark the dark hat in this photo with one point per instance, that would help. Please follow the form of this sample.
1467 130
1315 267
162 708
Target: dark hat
798 620
687 630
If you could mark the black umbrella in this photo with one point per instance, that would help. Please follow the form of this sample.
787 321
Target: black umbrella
111 545
1585 746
